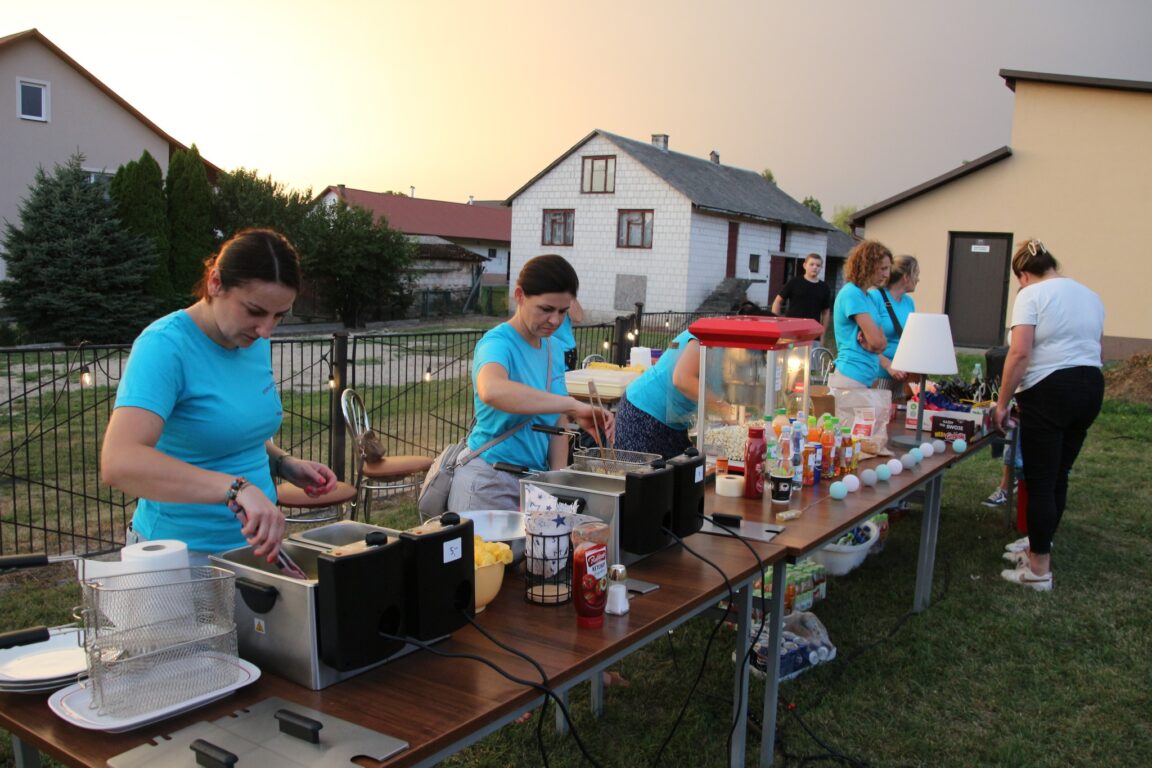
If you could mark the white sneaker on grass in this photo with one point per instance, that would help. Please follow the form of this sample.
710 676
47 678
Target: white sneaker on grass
1016 558
1020 545
1023 576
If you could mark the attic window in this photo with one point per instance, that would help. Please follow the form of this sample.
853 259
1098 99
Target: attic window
34 100
599 174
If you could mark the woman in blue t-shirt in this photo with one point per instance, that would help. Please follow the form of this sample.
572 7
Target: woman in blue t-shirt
518 380
856 317
197 407
895 303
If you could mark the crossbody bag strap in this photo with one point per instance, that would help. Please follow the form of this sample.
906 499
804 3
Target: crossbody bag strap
501 438
892 313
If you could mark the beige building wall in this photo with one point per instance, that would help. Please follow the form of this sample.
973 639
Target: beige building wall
81 117
1079 178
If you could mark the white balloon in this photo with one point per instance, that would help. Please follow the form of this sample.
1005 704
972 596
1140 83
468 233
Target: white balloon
895 466
927 449
908 460
939 446
852 483
868 477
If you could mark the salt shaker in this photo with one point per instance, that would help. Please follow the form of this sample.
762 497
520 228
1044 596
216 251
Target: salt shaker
617 591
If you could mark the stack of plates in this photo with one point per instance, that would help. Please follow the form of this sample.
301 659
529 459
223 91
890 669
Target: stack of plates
45 666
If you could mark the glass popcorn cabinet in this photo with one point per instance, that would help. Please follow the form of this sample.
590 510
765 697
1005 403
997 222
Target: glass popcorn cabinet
750 367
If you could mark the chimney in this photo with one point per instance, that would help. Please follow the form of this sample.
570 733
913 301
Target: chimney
340 191
471 200
714 156
411 191
660 141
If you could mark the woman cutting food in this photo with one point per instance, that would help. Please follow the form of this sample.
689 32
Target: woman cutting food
197 406
518 379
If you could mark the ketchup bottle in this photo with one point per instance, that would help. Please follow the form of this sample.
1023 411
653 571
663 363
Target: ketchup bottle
590 573
754 463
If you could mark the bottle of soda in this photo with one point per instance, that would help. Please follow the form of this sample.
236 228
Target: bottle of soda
799 440
829 441
754 451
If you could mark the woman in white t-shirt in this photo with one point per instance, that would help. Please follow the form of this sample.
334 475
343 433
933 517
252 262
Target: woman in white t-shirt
1053 367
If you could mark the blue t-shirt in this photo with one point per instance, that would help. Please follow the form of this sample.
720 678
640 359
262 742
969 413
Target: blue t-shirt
654 393
219 406
852 360
527 365
564 336
903 307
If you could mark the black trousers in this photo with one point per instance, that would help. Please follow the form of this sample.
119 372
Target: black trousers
1055 415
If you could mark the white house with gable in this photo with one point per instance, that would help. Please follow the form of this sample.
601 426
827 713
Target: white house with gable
641 223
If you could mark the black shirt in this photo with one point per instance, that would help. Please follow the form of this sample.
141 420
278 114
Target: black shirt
806 299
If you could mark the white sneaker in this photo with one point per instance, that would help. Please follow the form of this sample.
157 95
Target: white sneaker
1016 558
1020 545
1023 575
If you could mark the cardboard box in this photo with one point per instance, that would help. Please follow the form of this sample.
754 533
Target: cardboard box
950 425
822 400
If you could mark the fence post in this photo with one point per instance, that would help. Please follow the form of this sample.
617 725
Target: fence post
336 428
639 320
620 344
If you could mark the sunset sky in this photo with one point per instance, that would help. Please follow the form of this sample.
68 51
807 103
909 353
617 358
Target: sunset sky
849 102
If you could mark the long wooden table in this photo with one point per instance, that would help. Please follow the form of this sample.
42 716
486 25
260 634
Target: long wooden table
440 705
822 519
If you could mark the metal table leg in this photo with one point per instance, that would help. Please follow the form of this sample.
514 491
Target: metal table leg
740 700
27 756
926 558
772 677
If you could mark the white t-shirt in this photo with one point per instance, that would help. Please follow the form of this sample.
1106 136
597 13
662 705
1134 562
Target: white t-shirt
1069 320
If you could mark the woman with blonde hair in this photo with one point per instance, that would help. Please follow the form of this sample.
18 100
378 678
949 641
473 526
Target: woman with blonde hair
856 317
895 302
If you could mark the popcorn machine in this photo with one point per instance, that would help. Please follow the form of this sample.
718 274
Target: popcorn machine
750 367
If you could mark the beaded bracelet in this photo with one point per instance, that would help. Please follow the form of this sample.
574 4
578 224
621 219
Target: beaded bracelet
237 485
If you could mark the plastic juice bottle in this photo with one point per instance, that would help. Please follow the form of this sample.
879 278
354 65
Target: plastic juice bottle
814 431
828 441
847 457
799 440
754 451
779 421
590 573
783 451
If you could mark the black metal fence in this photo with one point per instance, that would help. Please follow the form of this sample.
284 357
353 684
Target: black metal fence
55 403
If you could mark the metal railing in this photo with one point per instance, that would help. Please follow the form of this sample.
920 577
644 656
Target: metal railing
56 402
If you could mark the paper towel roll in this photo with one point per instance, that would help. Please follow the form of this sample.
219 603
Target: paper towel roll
641 356
162 554
730 485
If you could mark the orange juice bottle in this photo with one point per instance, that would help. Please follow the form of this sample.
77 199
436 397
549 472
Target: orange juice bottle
831 454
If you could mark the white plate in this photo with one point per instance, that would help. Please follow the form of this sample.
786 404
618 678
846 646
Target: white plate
41 686
61 655
73 703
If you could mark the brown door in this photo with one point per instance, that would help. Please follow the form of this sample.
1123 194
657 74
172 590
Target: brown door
733 240
976 299
776 277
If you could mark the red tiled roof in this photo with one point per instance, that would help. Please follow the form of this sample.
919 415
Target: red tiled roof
414 216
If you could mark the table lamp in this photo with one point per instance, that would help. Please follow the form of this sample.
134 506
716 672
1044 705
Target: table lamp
925 347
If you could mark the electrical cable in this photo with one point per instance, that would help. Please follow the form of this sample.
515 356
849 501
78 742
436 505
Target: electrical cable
543 679
707 648
545 690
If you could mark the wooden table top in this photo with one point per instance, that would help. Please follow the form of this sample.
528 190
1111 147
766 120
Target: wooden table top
434 703
822 517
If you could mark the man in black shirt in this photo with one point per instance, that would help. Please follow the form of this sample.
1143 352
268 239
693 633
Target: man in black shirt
807 295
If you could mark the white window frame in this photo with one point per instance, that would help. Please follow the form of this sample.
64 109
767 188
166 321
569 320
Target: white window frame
45 102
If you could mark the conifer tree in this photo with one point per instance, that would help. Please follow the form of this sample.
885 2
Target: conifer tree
74 272
189 219
138 191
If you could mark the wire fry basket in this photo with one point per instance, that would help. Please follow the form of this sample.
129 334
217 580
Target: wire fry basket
157 638
610 461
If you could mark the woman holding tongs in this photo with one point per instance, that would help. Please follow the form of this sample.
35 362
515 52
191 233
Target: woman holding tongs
518 381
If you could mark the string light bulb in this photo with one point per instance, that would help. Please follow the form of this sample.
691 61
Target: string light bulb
606 344
428 373
85 376
331 381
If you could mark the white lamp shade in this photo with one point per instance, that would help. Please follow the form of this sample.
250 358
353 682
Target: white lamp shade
926 345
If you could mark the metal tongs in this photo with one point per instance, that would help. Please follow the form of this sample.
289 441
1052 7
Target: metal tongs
599 405
283 561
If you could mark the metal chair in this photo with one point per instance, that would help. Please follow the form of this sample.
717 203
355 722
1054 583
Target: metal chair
821 363
390 474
